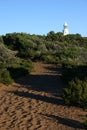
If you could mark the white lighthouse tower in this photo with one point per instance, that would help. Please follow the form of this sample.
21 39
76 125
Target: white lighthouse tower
65 31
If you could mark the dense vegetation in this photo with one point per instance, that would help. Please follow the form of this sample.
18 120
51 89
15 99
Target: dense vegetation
11 66
52 48
18 50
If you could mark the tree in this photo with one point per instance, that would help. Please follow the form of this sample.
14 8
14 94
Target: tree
51 36
6 56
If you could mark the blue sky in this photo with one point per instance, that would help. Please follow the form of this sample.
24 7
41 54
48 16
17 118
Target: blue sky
43 16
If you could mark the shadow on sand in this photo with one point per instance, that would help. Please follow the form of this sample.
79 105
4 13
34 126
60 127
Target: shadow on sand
53 100
48 83
65 121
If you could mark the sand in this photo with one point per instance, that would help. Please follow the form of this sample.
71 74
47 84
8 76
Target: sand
34 103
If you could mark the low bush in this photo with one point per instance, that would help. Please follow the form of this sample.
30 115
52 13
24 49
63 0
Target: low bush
76 93
50 59
72 71
5 77
85 123
23 68
26 64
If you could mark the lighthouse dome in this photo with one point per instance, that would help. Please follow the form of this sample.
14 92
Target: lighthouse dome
65 24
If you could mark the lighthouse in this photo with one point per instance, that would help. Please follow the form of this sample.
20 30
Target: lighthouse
65 30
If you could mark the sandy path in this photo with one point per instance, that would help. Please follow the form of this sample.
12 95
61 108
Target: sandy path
35 103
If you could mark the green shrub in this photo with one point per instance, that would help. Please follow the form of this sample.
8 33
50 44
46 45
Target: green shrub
71 71
26 64
85 122
50 59
76 93
21 68
67 64
5 77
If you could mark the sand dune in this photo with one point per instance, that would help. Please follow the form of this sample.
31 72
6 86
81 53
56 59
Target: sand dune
34 103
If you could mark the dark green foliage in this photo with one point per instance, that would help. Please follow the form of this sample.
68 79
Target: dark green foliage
12 67
6 55
76 93
51 36
72 71
23 68
85 122
11 40
27 64
6 59
75 77
54 45
50 59
5 77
